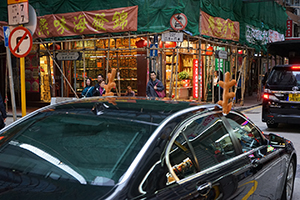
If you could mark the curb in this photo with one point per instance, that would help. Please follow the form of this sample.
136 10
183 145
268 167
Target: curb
246 107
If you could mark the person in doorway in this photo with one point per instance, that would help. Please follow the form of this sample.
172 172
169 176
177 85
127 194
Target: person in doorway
238 86
129 92
2 113
154 85
88 90
216 79
97 87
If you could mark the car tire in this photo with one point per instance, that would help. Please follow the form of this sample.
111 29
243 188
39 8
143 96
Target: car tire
288 189
275 125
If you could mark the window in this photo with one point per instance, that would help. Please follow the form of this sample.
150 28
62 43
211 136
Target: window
201 143
247 134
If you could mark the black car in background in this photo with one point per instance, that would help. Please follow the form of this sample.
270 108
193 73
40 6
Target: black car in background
136 148
281 102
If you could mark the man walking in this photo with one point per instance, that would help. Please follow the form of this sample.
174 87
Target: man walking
98 89
153 86
2 114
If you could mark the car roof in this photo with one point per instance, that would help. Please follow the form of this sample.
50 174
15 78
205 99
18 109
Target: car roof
153 109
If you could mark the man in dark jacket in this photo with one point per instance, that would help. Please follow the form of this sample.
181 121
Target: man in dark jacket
154 84
2 114
97 90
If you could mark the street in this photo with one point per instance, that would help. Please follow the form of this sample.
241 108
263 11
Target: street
289 131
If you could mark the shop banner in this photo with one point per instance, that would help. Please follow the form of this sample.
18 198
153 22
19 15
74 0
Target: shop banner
219 28
195 78
256 36
274 36
92 22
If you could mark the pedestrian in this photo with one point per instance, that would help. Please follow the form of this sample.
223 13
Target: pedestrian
216 79
97 88
129 92
88 90
154 86
238 94
3 113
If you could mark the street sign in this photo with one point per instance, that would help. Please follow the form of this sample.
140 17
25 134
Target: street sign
18 13
172 36
20 42
178 21
153 52
221 54
15 1
68 56
6 35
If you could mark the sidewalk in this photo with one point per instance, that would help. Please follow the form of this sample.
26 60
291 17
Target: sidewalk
250 101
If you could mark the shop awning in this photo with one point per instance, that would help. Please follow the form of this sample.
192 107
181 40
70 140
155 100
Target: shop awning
293 17
287 48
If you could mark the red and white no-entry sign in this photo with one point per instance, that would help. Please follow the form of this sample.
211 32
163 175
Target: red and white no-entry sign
178 21
20 42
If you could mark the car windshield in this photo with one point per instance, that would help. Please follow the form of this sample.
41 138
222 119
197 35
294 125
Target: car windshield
92 145
284 77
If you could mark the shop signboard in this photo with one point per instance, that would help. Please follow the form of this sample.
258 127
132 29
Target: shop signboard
172 37
87 22
219 28
68 56
200 79
195 78
289 30
217 60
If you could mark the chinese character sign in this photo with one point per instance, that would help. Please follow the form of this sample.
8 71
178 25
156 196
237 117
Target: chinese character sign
195 78
92 22
289 30
219 28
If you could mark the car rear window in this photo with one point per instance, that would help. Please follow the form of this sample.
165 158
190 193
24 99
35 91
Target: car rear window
284 76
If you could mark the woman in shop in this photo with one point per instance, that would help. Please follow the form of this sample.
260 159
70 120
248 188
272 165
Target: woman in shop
88 90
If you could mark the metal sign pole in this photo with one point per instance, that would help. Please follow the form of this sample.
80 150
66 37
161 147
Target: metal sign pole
11 84
218 88
23 88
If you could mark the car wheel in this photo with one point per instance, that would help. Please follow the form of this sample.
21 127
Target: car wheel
289 182
275 125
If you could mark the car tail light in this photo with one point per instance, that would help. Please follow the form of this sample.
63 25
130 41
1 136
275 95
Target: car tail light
266 96
295 67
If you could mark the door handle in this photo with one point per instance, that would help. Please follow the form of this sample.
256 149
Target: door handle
254 163
204 189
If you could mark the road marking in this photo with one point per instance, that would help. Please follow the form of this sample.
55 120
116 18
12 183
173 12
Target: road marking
251 109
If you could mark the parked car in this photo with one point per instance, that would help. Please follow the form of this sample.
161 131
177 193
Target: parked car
281 102
138 148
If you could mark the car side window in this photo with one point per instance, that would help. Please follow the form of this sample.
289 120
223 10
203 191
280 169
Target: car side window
201 143
247 134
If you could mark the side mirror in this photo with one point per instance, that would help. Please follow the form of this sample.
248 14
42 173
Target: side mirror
276 140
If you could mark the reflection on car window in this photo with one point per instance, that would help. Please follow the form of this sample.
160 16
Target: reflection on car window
247 134
79 148
210 141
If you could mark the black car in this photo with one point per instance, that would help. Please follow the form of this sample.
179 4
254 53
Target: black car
137 148
281 102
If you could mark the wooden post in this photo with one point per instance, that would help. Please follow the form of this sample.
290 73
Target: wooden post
172 71
176 72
